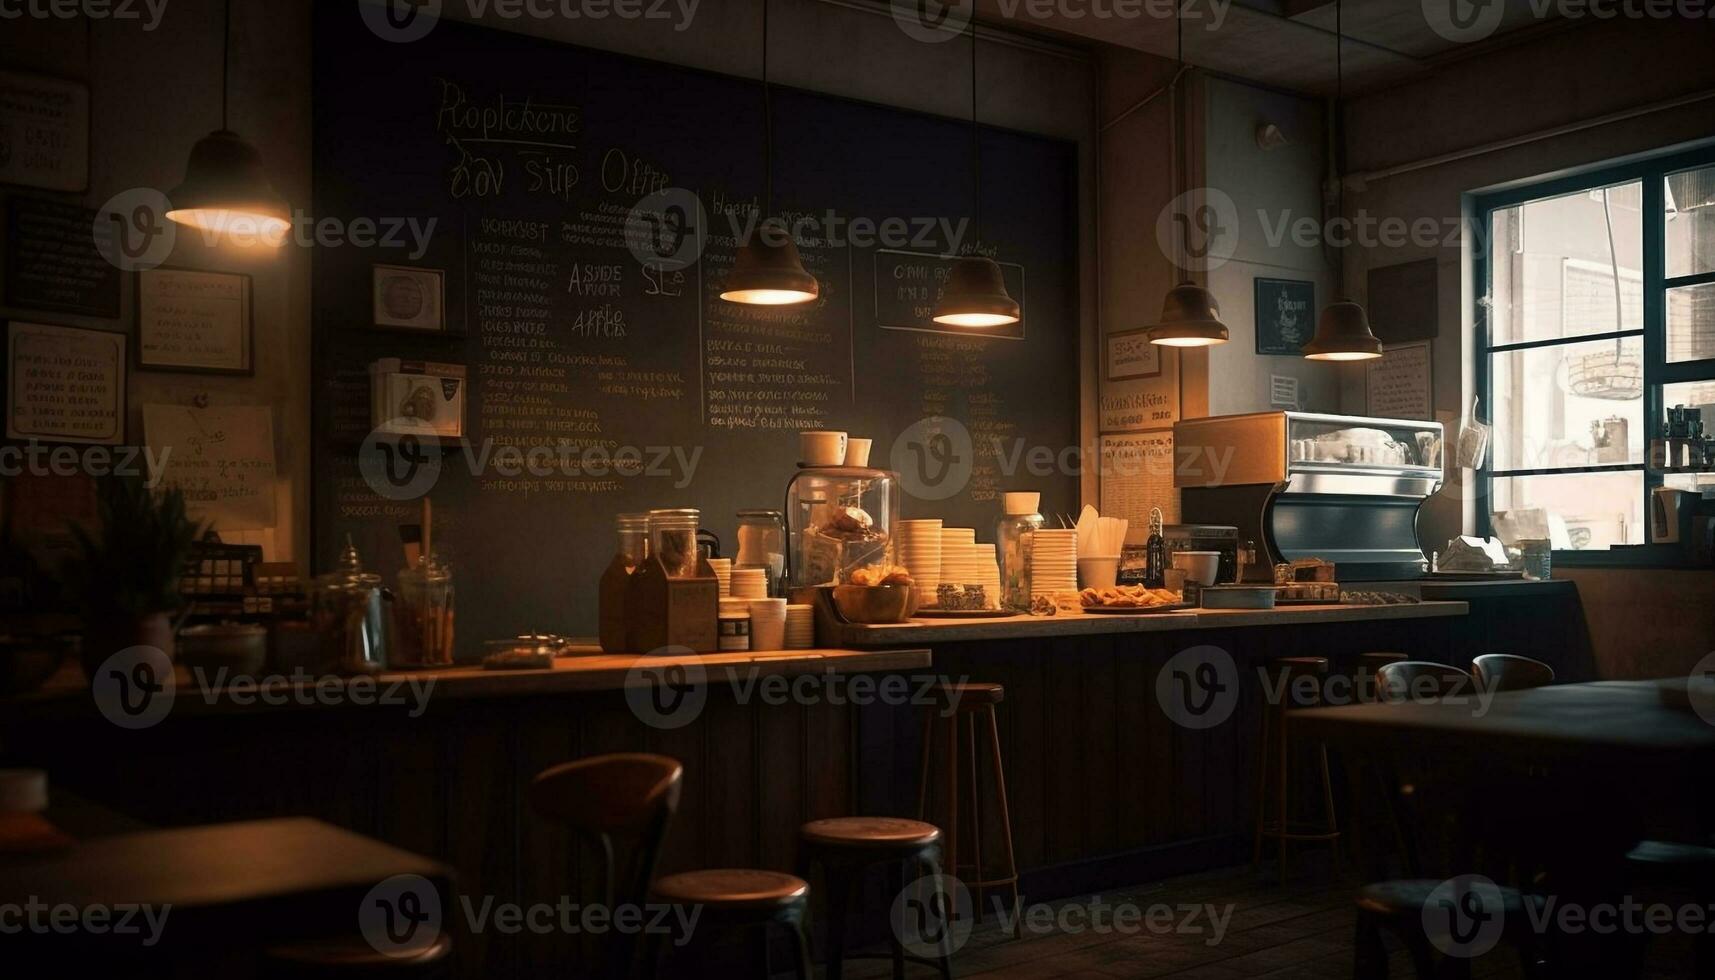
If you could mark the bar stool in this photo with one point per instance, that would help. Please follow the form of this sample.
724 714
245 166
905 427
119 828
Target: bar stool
1286 672
845 848
1685 868
1398 907
1369 665
355 958
741 899
972 703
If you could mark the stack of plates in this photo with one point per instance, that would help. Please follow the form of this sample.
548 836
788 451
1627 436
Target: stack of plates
964 562
723 573
1054 560
800 627
749 583
918 548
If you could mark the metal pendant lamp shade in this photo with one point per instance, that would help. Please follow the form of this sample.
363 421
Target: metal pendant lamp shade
768 271
1343 334
1190 317
976 295
226 189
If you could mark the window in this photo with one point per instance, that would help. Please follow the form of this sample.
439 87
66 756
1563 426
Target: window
1597 313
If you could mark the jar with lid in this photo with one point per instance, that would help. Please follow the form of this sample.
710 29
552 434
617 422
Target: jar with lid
424 618
351 614
762 544
1014 534
616 579
673 540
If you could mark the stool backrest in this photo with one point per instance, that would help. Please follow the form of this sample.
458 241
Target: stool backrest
1416 680
622 803
1498 672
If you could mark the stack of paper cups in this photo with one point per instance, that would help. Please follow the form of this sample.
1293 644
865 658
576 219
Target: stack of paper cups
723 573
800 627
749 583
1054 560
919 550
768 624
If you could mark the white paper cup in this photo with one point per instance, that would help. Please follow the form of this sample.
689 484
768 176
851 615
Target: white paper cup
1200 566
857 451
768 624
1098 573
819 447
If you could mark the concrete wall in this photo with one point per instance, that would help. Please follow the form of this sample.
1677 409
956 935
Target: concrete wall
155 92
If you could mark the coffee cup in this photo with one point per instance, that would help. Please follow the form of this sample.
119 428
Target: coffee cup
821 448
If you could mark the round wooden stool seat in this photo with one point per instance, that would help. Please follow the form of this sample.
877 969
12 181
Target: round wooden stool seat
1299 666
353 957
870 833
967 696
732 888
1373 662
1406 898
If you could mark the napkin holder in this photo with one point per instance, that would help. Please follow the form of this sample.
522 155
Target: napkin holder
662 611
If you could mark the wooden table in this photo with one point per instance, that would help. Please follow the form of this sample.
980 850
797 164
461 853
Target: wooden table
223 886
1572 775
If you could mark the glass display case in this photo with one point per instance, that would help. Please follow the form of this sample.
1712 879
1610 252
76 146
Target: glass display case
838 518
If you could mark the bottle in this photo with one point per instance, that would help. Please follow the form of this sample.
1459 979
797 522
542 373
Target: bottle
1013 535
1155 553
616 579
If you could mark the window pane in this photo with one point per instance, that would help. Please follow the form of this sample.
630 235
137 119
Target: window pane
1571 406
1586 511
1552 271
1691 222
1691 322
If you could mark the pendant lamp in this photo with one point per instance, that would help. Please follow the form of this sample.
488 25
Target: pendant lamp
767 270
975 294
226 188
1342 329
1190 317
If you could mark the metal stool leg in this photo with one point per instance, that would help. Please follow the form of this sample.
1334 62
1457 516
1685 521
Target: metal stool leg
944 961
1005 816
976 810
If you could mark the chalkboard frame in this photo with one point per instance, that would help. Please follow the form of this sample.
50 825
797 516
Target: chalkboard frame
248 330
107 305
1268 340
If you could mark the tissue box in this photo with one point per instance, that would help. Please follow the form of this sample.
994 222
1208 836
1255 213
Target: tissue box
405 396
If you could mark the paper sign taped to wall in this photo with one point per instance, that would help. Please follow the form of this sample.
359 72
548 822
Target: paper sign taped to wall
222 458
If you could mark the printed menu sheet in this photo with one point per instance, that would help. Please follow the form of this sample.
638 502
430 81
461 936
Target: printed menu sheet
1137 474
222 458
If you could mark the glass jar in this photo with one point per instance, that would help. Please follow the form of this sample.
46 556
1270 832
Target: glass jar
838 519
633 539
762 544
350 614
673 539
1013 535
423 617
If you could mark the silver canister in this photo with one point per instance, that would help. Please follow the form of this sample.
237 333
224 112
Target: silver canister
353 615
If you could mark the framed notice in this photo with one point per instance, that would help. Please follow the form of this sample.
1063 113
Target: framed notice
64 384
1137 475
44 132
194 321
1401 383
409 297
1131 355
1285 315
222 458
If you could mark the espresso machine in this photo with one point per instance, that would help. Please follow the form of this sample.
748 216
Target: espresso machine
1304 485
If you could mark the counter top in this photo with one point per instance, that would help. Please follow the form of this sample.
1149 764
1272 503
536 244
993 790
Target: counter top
932 631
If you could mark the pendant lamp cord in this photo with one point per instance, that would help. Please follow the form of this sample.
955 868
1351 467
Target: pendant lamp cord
1340 127
767 125
976 148
1181 248
225 61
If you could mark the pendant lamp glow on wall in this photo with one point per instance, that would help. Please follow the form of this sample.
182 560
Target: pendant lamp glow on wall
226 189
768 270
975 295
1190 317
1342 329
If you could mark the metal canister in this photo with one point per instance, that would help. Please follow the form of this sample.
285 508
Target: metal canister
353 614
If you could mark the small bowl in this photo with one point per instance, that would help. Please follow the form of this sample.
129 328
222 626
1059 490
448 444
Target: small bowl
873 604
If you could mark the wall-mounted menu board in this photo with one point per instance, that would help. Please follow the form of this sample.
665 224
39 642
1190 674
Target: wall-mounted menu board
605 373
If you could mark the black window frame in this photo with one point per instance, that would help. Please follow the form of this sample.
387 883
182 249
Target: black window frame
1650 171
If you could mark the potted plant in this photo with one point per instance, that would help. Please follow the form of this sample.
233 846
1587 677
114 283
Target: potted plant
127 573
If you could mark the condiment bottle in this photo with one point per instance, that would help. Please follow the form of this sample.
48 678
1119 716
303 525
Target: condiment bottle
1155 553
734 624
616 580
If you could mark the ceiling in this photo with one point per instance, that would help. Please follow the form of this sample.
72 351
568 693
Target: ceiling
1288 44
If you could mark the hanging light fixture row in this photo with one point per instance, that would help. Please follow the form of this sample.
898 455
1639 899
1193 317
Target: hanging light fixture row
975 295
768 270
226 188
1190 317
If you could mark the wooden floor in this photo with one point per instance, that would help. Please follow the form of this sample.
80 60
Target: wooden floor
1300 931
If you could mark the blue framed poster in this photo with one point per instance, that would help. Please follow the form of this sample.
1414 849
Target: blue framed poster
1285 315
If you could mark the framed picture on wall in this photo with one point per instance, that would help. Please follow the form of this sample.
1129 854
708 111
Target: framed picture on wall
194 321
408 297
1285 315
1131 355
65 384
44 132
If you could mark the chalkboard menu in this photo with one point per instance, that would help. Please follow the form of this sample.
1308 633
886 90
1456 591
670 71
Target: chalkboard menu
583 209
52 261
